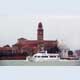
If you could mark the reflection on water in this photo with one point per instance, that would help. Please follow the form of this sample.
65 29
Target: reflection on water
25 63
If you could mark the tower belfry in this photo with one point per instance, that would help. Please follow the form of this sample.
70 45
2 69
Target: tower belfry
40 32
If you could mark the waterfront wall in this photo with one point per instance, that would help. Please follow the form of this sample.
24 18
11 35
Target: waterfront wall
13 58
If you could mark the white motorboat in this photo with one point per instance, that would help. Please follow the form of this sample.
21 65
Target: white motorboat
51 59
44 56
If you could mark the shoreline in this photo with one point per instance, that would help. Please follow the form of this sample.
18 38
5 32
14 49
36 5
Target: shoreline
49 63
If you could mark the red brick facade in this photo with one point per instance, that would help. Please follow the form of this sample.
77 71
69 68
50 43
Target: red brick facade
25 47
32 46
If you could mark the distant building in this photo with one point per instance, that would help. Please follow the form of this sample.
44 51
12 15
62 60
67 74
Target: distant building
77 53
32 46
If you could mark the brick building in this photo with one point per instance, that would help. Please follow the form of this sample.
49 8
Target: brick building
32 46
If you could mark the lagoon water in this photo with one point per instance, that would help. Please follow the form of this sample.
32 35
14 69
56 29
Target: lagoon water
26 63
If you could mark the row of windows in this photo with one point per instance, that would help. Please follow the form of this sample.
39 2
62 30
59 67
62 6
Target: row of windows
47 56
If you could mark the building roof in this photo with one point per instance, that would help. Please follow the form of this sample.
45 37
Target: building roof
22 39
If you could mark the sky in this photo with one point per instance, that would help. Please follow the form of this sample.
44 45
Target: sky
38 7
61 20
61 28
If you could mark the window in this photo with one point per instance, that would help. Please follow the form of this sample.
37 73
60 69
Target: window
44 56
52 56
37 56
